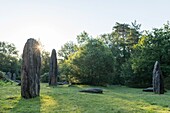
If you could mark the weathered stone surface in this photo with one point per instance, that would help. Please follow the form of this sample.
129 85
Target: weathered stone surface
14 77
53 69
149 89
93 90
158 84
9 75
30 72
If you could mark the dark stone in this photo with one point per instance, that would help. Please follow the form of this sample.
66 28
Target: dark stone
158 84
149 89
92 90
30 72
53 69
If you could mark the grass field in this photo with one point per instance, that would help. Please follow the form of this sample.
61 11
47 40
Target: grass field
64 99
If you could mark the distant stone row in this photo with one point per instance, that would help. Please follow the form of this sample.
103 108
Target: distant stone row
11 76
30 71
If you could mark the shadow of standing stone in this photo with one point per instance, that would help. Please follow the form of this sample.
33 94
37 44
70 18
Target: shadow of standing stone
158 84
30 72
53 69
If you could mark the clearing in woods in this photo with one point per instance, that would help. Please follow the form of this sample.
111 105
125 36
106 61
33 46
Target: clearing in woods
64 99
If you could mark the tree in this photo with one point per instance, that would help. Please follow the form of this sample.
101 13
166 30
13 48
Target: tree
9 61
45 62
83 38
68 49
153 46
93 64
121 42
8 49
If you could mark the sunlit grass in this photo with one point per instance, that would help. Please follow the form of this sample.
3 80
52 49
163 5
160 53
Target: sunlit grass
64 99
47 102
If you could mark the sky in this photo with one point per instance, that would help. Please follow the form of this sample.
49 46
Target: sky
55 22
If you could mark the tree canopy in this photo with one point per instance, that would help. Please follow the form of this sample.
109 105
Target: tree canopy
125 56
9 60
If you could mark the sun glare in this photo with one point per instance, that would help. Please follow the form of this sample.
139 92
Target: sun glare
39 47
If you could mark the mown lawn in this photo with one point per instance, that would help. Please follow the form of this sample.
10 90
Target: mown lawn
64 99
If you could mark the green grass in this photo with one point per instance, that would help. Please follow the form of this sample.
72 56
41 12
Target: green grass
64 99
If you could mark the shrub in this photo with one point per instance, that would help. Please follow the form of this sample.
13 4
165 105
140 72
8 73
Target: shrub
167 82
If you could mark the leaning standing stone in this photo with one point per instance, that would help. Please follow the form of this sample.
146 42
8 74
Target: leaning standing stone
53 68
158 84
30 72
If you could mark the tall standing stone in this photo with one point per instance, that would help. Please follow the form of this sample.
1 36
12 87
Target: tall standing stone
30 72
53 68
158 84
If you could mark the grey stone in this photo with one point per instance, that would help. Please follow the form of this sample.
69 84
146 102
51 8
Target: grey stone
14 77
9 75
53 69
30 72
158 84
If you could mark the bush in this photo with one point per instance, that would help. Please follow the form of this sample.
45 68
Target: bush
93 64
167 82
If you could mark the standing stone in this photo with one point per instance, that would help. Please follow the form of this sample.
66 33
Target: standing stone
14 77
53 69
9 75
30 72
158 84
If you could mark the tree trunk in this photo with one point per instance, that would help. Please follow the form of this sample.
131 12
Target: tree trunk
30 72
53 69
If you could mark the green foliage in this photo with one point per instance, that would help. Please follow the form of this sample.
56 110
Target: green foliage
69 100
45 78
45 62
83 38
151 48
8 49
68 49
9 61
121 42
167 82
91 64
132 56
